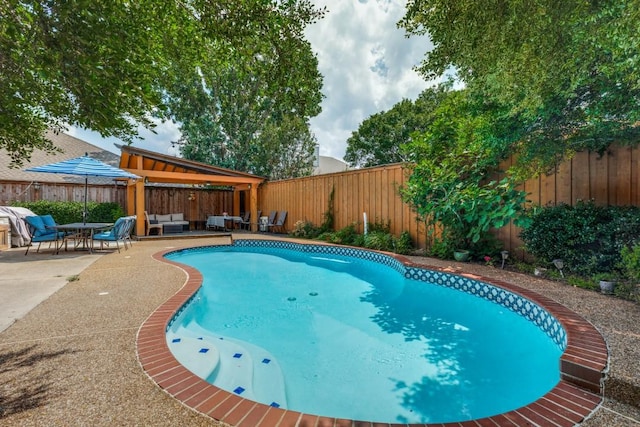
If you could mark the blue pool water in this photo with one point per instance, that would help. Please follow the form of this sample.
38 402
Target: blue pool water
351 338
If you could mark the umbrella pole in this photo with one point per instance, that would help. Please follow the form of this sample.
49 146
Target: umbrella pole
84 213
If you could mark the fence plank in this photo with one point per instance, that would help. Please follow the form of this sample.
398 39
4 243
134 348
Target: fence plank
580 177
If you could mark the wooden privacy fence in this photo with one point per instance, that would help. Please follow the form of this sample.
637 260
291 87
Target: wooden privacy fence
195 203
373 191
613 179
69 192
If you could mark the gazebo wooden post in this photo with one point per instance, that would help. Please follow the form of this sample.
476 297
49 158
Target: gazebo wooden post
253 203
140 219
236 202
131 197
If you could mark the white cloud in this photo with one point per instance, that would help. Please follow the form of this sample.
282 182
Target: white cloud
367 64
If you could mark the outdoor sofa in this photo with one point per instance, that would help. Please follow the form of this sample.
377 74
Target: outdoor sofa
171 223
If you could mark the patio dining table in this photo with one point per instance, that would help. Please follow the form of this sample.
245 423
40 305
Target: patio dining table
81 232
221 221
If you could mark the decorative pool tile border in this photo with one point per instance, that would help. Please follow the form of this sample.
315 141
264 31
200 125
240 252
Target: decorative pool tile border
582 364
507 299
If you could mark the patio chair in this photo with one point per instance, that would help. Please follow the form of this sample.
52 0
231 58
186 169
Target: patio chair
272 219
150 226
278 226
41 230
131 222
246 222
118 232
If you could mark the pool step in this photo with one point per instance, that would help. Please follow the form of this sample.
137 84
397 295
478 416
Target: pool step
202 357
233 365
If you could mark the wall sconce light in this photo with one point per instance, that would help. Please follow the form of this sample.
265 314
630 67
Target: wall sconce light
192 196
36 186
559 265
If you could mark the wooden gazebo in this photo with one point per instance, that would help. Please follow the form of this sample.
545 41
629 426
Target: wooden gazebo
156 167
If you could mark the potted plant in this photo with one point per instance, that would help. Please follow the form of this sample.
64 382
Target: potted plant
606 281
461 255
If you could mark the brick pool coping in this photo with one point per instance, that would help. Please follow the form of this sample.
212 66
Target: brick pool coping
575 397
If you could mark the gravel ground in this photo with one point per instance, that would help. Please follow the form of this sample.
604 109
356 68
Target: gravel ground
71 361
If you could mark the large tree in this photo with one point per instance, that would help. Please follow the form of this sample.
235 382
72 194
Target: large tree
252 112
110 66
379 139
569 72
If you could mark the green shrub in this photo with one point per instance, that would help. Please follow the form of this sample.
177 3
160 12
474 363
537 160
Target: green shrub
68 212
627 290
379 240
581 282
346 236
630 262
378 225
304 229
404 244
588 238
442 248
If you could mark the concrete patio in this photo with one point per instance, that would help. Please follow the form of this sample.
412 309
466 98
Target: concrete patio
68 351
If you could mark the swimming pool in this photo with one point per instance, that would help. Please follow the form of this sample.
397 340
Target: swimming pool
447 282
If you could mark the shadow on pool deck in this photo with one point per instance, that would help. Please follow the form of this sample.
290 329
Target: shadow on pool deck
72 359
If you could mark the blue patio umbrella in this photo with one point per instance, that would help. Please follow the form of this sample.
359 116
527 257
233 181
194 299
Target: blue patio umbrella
84 166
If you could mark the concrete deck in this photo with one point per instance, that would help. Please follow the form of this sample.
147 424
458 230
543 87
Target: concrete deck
68 353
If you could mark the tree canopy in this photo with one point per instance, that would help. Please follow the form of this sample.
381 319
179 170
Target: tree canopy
250 116
454 180
568 72
109 66
379 138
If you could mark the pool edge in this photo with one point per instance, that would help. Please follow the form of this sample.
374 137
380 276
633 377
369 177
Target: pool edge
580 391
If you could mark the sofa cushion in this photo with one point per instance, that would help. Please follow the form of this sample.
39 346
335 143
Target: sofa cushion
163 218
177 217
152 217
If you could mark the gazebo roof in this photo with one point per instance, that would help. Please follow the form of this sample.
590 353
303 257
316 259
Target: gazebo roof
156 167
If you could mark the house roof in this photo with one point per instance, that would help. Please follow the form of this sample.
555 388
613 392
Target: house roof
71 147
328 164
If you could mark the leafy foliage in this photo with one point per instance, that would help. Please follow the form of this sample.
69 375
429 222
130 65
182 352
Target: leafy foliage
379 138
69 212
630 262
581 282
246 116
379 238
110 66
566 72
453 163
588 238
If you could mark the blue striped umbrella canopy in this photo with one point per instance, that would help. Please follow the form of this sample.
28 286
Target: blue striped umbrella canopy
83 166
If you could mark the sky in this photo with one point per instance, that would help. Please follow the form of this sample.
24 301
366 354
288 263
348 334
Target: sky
367 64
